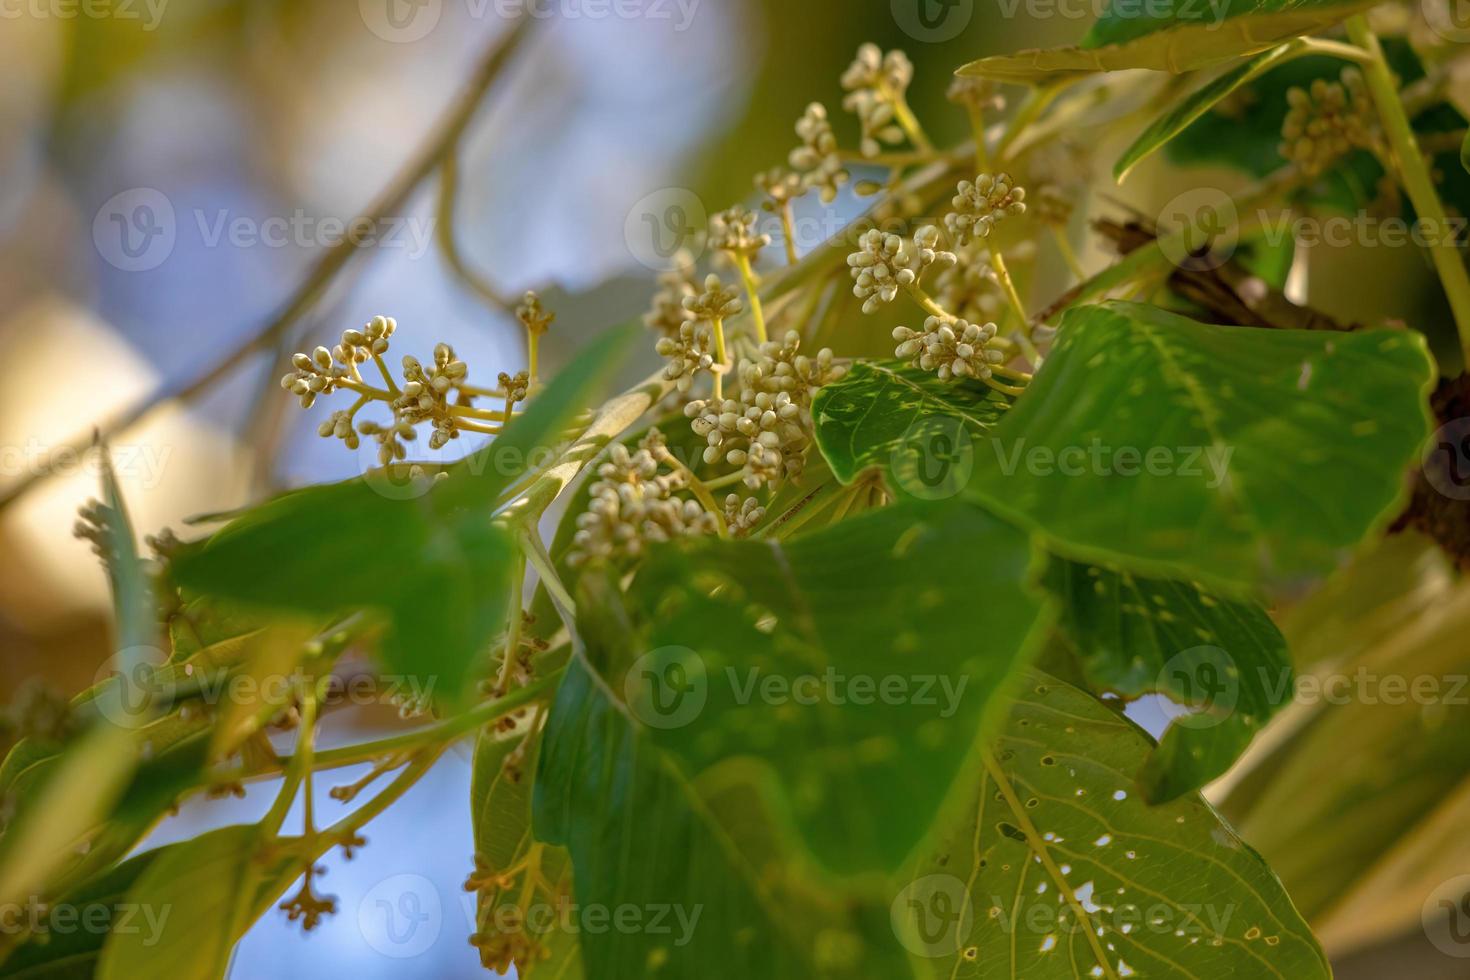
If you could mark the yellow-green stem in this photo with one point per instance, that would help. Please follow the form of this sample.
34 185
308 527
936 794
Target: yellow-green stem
998 263
1416 178
788 232
752 289
720 358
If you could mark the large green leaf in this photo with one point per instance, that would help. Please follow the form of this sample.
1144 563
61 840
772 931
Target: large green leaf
891 415
1228 455
430 560
1179 116
1059 870
1184 36
850 671
199 883
1224 660
642 837
70 953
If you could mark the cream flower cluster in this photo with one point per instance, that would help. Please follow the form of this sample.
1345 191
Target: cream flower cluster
1327 121
886 263
876 83
633 503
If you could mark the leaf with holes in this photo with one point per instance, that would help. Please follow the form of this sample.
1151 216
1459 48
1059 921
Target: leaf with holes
903 419
1222 660
1177 36
1059 870
1229 455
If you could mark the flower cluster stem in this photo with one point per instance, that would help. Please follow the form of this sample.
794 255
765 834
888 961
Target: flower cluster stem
752 290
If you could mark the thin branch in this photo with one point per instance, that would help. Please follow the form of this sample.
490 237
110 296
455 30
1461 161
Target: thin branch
332 262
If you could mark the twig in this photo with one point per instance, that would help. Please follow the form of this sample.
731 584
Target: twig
332 262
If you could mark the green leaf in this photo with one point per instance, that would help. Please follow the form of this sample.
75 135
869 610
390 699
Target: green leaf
1222 659
71 953
1059 870
1229 455
643 838
1187 36
500 806
71 792
1244 134
888 414
1465 153
849 672
1202 100
196 886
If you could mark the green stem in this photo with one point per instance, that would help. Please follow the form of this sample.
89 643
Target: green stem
752 289
513 624
721 358
540 560
1414 172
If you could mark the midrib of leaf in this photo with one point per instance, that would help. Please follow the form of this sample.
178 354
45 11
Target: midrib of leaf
1039 848
695 803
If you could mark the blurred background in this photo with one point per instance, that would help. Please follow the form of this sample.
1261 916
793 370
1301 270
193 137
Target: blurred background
173 171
